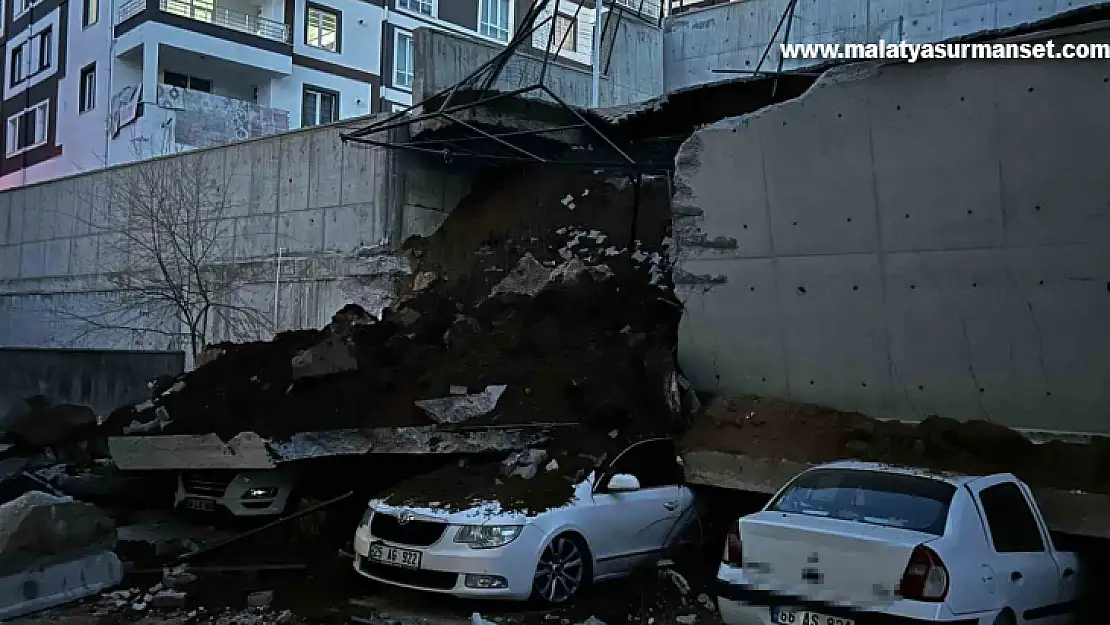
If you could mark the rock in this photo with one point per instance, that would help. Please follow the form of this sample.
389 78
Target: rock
332 355
168 599
456 409
705 601
552 466
476 619
177 577
260 599
423 280
529 277
37 525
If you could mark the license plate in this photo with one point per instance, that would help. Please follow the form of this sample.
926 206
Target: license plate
791 616
204 505
395 556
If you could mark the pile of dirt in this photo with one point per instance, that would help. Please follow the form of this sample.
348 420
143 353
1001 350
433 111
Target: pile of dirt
540 285
767 428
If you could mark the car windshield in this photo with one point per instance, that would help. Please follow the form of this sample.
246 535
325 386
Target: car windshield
890 499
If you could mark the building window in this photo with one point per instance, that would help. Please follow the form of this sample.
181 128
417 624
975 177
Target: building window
27 129
87 97
16 67
566 33
182 81
319 107
402 60
90 12
45 48
418 6
493 19
322 28
22 6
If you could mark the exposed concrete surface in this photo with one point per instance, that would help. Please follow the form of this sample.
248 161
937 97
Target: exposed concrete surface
635 66
734 35
333 213
41 588
907 240
102 380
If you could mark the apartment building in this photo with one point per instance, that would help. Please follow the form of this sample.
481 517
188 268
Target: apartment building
89 83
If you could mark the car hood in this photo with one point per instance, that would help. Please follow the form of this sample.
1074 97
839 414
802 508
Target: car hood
481 513
481 494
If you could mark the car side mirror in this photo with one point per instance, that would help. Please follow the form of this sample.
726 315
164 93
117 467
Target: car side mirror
623 482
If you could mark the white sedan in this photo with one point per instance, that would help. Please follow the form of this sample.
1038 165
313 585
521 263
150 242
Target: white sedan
617 518
853 543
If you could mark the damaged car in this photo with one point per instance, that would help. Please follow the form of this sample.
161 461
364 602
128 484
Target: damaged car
536 533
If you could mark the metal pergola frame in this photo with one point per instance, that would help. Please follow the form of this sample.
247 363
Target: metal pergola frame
501 145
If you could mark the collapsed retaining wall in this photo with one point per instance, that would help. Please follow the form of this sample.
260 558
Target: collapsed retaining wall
906 240
735 35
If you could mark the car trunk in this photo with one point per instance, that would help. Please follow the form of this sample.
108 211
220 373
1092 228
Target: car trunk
826 559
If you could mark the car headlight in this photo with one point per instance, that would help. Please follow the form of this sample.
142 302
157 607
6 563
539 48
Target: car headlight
487 536
260 493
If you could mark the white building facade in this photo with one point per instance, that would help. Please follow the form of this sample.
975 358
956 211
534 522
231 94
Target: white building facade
92 83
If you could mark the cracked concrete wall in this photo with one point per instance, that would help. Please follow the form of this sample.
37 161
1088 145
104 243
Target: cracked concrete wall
334 212
906 240
734 35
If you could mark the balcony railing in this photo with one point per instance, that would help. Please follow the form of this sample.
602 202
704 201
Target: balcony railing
213 13
228 18
206 119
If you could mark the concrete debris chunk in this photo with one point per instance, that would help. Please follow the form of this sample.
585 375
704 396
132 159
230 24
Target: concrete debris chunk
260 599
456 390
168 599
456 409
705 601
528 277
423 280
476 619
330 356
686 619
177 577
593 620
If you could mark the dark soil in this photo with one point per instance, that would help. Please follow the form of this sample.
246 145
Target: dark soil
592 352
768 428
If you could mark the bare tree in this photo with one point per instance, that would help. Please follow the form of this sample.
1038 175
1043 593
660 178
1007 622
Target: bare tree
166 228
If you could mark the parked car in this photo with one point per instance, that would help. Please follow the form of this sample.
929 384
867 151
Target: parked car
620 516
852 543
240 493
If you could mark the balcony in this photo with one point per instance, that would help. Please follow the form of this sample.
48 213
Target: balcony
205 119
235 18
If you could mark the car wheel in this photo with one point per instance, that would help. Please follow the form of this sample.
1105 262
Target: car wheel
563 569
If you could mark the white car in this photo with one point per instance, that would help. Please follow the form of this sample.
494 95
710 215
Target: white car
611 524
242 493
853 543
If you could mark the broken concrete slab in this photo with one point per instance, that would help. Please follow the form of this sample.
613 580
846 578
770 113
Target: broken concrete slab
184 451
429 439
529 277
332 355
459 408
58 582
38 525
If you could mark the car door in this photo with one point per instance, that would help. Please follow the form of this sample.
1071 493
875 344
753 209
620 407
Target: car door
639 523
1024 570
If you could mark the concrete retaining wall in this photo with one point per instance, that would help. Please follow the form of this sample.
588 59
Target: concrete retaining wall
907 240
734 36
635 66
334 213
102 380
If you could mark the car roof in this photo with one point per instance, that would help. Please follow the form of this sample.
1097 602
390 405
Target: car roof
955 479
